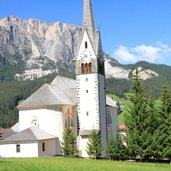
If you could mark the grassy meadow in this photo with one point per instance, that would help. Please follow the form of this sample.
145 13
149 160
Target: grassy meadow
66 164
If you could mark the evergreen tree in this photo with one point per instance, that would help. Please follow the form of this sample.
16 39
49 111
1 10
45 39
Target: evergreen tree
164 127
135 115
150 135
116 150
69 148
94 148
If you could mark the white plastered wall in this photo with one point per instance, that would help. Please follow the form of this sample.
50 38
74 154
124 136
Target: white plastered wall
88 103
49 120
88 106
52 147
83 147
26 150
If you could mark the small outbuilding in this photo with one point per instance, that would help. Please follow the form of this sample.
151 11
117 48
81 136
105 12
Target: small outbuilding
32 142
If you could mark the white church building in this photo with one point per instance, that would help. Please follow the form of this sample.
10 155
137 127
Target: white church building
80 104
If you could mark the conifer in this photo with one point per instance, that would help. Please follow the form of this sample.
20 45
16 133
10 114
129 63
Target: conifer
116 150
69 147
150 134
164 127
94 146
135 115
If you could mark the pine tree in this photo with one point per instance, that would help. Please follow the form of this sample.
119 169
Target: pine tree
116 150
94 146
69 147
135 115
150 134
164 127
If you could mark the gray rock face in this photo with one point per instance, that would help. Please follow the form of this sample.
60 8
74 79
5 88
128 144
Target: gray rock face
30 39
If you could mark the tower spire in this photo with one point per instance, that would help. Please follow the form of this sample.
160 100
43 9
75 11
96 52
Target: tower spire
88 20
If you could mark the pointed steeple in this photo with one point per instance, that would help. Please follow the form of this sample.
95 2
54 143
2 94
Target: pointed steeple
88 20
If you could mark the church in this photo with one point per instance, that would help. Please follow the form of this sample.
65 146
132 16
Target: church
79 104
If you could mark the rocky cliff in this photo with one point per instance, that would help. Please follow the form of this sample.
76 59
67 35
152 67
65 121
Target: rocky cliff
32 38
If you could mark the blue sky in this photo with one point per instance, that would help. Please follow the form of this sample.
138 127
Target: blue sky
132 30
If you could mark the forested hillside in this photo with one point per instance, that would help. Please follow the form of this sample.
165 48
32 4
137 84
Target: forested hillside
152 85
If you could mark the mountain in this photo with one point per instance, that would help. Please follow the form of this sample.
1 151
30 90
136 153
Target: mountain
30 39
36 46
30 48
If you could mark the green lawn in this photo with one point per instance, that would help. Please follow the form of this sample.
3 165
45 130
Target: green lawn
66 164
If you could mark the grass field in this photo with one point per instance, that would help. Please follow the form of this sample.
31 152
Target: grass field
66 164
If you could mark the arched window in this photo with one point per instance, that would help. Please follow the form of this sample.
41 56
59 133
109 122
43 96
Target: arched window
90 67
34 122
86 66
69 119
82 69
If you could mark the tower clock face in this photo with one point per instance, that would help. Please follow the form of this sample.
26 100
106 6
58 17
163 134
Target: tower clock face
85 55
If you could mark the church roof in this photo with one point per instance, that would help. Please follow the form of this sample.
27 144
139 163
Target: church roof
62 91
15 127
30 134
64 82
6 132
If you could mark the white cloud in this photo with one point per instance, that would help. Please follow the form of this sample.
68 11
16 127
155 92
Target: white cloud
123 54
150 53
147 53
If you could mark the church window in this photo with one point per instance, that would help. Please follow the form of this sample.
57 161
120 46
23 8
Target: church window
69 119
18 148
86 79
90 67
87 113
86 91
43 146
86 66
86 45
82 68
35 123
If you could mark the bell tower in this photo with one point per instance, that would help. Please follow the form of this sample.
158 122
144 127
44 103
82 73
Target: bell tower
90 78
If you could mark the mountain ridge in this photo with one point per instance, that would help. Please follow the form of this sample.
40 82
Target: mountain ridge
37 48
